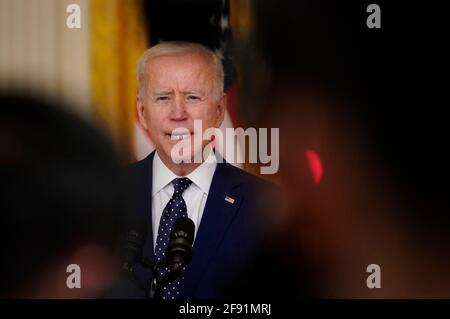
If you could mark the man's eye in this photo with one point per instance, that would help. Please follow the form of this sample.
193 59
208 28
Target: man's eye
162 98
193 98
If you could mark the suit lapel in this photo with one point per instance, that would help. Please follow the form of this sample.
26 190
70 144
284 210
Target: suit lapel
217 217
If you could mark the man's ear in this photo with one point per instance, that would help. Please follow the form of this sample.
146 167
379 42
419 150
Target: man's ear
140 108
221 107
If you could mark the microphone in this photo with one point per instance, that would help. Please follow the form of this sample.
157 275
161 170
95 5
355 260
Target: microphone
131 249
179 248
178 254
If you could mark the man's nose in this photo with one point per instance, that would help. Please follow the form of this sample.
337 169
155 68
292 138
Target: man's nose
178 109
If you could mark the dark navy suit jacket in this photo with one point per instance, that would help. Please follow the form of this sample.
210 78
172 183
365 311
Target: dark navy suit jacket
228 235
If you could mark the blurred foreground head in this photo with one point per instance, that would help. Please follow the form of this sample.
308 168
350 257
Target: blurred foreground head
369 106
61 201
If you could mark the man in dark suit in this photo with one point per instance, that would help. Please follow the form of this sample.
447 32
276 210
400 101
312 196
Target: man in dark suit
181 83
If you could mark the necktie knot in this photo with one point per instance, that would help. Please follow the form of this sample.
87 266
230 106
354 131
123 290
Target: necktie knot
180 185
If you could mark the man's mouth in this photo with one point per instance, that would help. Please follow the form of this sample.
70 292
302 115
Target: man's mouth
179 136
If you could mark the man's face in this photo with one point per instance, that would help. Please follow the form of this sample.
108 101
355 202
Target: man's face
179 89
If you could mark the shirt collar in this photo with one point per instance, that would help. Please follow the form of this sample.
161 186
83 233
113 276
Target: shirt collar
201 176
161 175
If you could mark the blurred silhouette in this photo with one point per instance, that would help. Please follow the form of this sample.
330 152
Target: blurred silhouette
63 200
368 104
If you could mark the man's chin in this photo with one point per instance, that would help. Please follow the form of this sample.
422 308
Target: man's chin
180 160
170 153
179 152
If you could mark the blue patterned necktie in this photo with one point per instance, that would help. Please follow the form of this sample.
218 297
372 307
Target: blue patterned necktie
175 208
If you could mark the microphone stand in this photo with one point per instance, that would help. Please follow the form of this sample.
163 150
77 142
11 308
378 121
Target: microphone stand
155 284
128 270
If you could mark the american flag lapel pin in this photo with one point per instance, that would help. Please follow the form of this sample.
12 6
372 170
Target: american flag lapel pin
229 199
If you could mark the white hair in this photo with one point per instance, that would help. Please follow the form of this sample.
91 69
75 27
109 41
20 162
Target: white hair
179 47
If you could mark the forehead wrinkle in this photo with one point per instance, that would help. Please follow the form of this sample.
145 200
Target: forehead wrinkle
162 92
161 75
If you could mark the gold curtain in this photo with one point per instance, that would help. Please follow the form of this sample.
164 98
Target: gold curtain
241 19
118 38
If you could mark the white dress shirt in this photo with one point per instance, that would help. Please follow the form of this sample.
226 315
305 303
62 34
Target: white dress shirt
195 195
